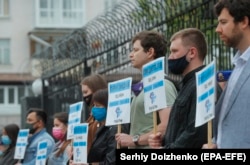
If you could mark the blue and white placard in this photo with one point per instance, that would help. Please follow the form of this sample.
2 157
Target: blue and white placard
154 85
75 111
119 102
41 153
80 143
21 143
205 102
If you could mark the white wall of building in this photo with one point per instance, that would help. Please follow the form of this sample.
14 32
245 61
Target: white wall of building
98 7
16 28
21 20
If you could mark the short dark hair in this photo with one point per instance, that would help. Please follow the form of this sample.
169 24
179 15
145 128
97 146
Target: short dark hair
101 96
152 39
238 9
40 114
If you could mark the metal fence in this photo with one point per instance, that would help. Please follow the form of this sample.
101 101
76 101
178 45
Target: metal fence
103 45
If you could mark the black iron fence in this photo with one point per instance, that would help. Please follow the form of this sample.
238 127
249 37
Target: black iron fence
103 45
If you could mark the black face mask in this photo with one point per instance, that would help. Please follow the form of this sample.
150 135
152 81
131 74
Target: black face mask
31 128
87 99
177 66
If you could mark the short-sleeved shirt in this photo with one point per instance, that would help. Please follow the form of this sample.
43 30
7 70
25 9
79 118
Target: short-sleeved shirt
142 123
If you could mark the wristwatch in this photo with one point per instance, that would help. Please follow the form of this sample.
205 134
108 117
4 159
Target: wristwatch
136 139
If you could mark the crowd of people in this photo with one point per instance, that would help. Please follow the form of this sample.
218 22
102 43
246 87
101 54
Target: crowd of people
176 122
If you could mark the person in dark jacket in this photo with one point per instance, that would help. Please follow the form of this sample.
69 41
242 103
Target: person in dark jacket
188 50
103 147
9 137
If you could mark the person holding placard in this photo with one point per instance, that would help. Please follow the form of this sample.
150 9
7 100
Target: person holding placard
2 147
231 123
188 50
89 85
9 137
103 148
62 150
36 120
147 46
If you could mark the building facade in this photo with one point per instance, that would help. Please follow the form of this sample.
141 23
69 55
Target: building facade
28 27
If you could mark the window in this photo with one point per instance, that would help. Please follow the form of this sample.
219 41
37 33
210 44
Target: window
11 95
1 95
60 13
21 93
4 8
4 51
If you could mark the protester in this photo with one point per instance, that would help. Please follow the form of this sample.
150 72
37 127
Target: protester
2 147
188 50
103 147
62 151
231 122
8 139
147 46
89 85
36 120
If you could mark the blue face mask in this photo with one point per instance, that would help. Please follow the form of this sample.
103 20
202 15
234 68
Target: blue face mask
1 153
99 113
177 66
6 140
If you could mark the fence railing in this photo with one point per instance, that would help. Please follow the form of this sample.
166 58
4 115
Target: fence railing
103 45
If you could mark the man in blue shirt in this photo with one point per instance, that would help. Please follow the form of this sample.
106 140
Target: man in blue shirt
36 120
